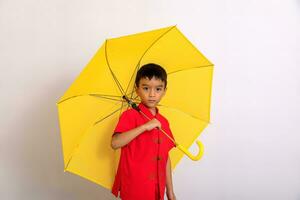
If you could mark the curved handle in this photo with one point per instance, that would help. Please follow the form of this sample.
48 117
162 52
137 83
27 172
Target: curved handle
186 152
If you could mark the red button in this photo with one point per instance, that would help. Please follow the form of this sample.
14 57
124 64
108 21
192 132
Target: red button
158 140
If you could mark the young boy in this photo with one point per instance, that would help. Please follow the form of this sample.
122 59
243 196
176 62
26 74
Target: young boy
144 170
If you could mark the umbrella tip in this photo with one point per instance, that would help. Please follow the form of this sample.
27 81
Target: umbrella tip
174 26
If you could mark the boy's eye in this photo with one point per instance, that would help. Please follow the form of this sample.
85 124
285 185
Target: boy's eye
158 89
145 88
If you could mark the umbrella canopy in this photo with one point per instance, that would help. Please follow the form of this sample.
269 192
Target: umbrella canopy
89 110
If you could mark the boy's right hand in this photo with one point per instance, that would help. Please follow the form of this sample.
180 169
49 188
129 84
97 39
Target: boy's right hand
154 123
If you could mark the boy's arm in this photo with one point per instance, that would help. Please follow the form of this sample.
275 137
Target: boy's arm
120 140
169 184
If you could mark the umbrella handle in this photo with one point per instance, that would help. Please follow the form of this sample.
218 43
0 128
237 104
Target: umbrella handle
191 156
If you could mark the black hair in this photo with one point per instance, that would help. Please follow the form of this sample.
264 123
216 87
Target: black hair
151 70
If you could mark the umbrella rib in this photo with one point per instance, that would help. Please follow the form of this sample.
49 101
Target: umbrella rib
135 70
138 65
104 97
162 35
131 96
122 106
190 68
70 98
192 45
112 73
135 100
169 107
98 95
108 115
78 144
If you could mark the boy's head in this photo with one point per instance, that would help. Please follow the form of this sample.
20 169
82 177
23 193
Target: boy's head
149 71
151 83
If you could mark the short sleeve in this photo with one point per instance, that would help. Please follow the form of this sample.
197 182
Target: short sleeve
126 122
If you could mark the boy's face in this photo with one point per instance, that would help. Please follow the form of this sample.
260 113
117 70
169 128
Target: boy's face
151 91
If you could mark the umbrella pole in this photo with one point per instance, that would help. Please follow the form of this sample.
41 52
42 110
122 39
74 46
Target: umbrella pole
180 147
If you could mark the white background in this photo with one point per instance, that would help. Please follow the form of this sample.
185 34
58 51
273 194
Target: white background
252 145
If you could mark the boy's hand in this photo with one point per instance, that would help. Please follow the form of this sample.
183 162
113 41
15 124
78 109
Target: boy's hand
171 196
152 124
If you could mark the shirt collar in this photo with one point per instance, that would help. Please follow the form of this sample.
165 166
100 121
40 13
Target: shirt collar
146 110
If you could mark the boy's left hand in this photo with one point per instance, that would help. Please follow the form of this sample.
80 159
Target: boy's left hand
171 196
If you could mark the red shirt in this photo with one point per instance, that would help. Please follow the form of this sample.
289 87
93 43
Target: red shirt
142 165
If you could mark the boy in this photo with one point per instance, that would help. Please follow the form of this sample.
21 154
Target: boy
144 170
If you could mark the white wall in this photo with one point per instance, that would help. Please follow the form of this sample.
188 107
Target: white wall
252 144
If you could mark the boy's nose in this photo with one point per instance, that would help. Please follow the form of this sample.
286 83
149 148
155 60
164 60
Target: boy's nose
152 93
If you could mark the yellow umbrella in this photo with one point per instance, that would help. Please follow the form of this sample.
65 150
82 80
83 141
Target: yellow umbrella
90 108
